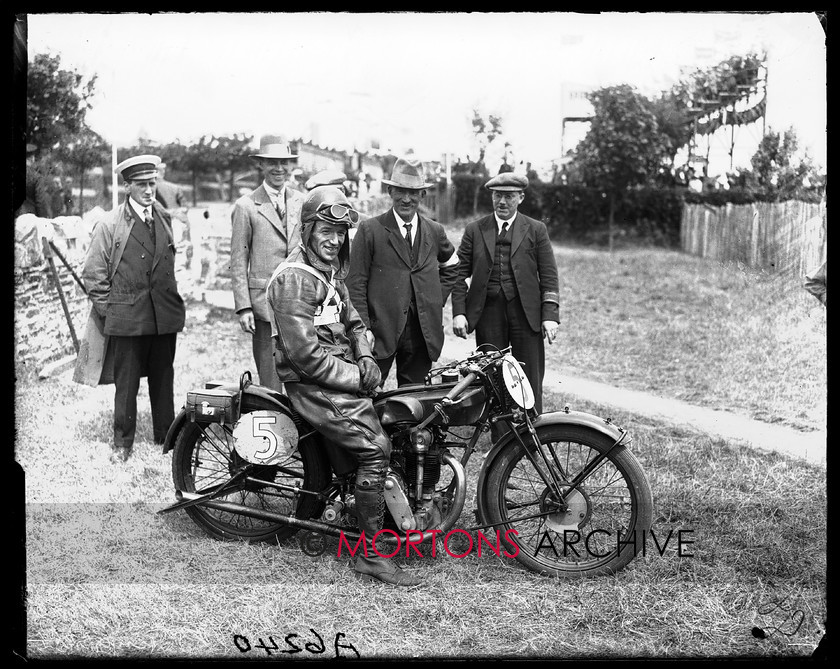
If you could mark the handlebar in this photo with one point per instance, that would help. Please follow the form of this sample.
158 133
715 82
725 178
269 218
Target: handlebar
459 387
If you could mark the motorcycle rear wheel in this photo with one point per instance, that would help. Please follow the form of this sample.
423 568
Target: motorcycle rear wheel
610 511
204 457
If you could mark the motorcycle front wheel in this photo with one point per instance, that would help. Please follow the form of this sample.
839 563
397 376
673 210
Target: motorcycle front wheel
204 458
595 529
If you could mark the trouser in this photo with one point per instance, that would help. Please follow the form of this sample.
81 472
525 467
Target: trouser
263 347
503 323
350 422
155 354
412 354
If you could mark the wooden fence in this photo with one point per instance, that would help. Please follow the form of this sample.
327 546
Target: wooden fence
787 237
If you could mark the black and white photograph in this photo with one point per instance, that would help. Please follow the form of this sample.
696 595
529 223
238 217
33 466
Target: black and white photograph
419 335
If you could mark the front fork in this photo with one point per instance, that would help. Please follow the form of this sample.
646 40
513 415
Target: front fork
559 488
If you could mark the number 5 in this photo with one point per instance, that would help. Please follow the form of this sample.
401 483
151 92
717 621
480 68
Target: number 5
260 431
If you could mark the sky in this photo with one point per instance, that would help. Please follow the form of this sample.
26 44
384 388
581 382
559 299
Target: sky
410 81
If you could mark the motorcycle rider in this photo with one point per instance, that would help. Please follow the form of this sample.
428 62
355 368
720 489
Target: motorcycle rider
325 361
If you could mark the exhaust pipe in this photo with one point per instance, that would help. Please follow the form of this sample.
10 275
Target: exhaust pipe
459 481
261 514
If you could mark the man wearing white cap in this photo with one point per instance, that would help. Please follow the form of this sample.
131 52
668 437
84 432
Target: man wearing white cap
266 226
129 274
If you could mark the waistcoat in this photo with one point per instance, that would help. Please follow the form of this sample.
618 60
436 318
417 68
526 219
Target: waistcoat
501 276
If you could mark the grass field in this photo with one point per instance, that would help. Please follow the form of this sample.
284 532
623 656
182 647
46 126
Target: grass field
108 577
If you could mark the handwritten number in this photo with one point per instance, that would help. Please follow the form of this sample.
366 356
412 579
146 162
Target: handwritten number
315 647
266 648
295 649
312 647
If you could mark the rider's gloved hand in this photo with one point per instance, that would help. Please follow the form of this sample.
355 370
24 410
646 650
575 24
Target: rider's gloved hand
371 376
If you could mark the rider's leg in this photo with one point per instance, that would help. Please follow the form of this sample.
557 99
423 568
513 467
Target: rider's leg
351 422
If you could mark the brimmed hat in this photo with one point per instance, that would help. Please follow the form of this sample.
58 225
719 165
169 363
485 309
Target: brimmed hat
408 174
274 147
326 178
507 181
138 168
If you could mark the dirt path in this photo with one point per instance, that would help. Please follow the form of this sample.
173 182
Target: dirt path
809 446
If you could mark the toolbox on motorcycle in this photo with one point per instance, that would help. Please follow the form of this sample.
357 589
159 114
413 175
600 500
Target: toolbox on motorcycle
213 405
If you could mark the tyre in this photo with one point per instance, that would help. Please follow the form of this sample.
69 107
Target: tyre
596 529
204 457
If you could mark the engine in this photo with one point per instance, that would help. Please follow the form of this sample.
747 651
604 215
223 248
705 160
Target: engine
416 460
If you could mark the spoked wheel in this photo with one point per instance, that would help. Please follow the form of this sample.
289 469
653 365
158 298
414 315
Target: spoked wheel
204 459
594 529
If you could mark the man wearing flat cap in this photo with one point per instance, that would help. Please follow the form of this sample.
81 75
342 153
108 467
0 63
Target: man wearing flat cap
402 266
265 227
129 273
513 297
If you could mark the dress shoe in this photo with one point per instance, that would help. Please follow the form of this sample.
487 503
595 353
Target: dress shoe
382 569
120 454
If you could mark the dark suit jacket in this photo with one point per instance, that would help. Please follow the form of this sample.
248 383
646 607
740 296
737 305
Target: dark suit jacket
381 278
532 261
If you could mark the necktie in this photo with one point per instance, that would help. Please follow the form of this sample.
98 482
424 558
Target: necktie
408 241
147 217
280 211
504 229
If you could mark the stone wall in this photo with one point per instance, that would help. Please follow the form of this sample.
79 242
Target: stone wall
42 333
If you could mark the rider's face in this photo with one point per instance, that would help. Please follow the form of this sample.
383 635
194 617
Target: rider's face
327 239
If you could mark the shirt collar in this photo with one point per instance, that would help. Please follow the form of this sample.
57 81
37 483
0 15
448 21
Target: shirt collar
499 222
138 208
273 193
403 223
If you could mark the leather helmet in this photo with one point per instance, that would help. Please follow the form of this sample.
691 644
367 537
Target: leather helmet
316 203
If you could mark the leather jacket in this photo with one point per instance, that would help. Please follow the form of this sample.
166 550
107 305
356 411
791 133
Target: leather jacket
325 354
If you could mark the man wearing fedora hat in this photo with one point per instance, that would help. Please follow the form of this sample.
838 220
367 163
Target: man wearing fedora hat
513 297
129 273
266 227
402 267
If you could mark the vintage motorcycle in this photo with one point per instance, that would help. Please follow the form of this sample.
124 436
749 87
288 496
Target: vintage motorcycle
560 490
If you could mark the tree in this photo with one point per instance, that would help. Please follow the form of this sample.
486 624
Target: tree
234 155
81 151
779 172
485 130
624 147
57 102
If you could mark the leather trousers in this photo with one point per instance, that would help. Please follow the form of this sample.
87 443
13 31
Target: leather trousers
350 422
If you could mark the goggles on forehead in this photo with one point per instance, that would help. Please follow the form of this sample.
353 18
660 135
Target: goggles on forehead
338 212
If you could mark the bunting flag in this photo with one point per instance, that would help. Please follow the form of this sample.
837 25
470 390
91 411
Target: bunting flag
714 121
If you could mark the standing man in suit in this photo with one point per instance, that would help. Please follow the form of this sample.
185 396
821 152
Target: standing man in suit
266 227
168 194
513 297
129 274
171 196
402 267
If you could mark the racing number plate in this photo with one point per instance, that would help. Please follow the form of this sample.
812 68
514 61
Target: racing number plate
265 437
517 383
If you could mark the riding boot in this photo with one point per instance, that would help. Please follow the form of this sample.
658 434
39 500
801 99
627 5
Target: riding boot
370 511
